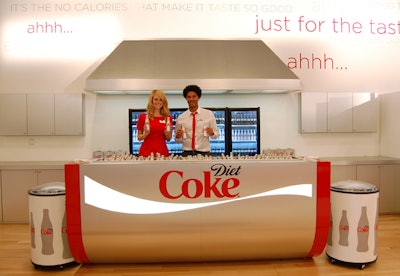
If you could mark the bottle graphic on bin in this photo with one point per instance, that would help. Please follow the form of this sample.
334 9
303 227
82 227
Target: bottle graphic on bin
376 226
330 228
66 251
47 234
344 229
32 227
363 231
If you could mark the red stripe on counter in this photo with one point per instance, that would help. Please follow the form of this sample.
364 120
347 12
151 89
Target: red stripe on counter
323 206
73 212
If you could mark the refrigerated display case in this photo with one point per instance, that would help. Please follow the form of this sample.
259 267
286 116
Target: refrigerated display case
245 131
239 131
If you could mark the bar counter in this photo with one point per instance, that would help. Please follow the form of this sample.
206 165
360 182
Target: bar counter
197 210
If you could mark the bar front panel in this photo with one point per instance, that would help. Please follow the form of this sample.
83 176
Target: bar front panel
167 211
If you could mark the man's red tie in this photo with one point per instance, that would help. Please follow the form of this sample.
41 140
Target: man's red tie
194 130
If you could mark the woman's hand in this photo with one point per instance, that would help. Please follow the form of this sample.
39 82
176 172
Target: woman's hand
168 135
143 135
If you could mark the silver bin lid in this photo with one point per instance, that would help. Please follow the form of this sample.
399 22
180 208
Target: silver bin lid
354 187
48 189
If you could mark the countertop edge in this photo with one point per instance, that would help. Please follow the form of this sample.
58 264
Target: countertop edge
337 160
33 165
361 160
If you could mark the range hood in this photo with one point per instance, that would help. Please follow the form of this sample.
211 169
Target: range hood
217 66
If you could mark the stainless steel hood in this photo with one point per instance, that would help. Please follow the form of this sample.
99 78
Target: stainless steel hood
217 66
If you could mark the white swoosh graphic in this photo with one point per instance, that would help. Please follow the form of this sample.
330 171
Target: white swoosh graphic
105 198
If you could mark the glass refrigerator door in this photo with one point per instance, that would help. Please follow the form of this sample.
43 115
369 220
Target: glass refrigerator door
218 146
245 131
134 143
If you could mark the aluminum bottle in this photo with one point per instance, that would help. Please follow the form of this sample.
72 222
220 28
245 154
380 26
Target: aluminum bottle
147 123
205 129
184 132
168 124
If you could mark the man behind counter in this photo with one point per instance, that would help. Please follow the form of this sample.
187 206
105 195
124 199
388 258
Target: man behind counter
195 126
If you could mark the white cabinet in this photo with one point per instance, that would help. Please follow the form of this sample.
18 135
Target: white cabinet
68 115
15 185
365 112
40 110
41 114
13 114
338 112
314 110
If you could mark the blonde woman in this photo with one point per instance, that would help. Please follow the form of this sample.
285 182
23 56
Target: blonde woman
155 126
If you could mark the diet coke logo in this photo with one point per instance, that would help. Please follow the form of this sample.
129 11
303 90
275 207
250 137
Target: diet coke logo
216 182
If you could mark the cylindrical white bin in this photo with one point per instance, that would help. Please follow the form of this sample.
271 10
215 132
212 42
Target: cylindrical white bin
49 241
354 223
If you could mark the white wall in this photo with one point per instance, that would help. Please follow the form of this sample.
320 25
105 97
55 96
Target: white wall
36 60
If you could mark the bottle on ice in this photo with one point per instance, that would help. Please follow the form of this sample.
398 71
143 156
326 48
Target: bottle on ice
46 233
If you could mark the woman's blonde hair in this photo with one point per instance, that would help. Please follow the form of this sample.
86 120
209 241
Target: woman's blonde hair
150 107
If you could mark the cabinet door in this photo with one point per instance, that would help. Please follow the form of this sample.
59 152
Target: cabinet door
365 112
340 117
313 108
68 114
397 189
343 172
1 200
388 192
369 174
13 114
15 187
385 178
48 176
40 114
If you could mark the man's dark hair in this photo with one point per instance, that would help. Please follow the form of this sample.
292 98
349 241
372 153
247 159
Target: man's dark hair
193 88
